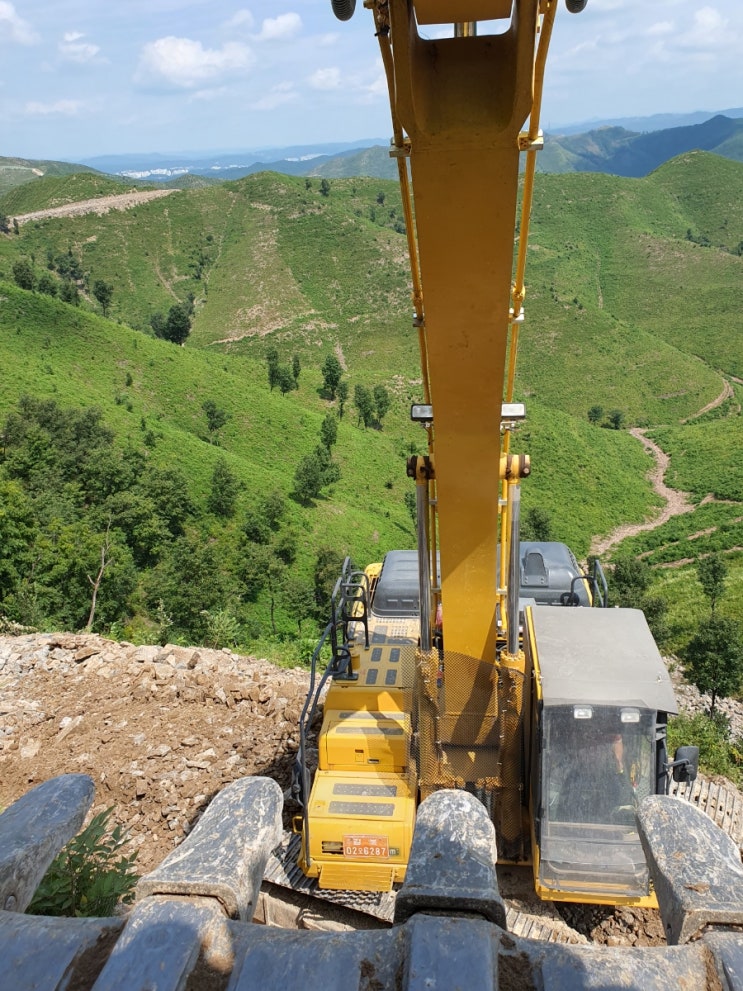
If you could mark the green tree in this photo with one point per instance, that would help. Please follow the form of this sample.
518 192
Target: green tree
342 393
616 419
536 524
298 598
263 520
256 527
629 581
296 369
272 361
411 505
157 322
713 659
712 572
285 547
104 293
136 516
308 479
252 568
595 414
285 380
328 564
364 402
331 375
175 327
56 590
329 430
275 578
68 266
324 187
47 284
273 507
216 417
313 473
189 583
630 584
4 224
225 488
23 274
168 490
69 293
17 531
381 402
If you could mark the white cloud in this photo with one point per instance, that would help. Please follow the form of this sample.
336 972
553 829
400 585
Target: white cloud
186 64
241 19
14 27
378 87
280 28
60 108
325 79
72 48
326 40
276 97
709 24
660 28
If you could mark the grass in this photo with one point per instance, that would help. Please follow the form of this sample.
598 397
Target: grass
623 311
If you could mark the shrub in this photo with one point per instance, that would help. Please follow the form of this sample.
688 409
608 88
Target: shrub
717 754
90 877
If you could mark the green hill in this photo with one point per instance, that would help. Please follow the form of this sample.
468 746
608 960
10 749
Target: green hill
634 291
19 171
60 190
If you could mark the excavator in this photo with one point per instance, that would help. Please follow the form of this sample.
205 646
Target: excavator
477 693
474 661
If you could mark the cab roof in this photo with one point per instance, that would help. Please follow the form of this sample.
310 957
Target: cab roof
601 656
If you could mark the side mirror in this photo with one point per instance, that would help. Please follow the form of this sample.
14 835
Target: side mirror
685 764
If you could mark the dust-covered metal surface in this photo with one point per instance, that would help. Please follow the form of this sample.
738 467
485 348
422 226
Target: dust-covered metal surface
216 861
696 868
186 941
33 831
452 861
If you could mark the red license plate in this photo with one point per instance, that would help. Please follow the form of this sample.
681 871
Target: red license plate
364 845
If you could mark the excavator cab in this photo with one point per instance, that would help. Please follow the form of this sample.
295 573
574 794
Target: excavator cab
601 700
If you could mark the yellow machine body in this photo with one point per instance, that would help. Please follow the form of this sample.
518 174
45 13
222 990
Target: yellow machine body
364 795
445 692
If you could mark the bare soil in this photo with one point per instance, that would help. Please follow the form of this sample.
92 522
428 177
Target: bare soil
160 730
99 205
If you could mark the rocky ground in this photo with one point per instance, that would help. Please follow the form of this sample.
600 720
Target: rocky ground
162 729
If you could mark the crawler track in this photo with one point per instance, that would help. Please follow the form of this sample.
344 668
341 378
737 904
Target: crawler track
291 899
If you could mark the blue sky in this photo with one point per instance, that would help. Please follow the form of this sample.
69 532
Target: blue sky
80 78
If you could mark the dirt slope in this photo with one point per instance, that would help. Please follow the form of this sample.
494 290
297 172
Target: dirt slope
160 730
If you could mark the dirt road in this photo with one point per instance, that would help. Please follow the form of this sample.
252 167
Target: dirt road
100 205
676 503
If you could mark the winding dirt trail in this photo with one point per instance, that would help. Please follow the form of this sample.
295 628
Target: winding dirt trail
676 502
727 393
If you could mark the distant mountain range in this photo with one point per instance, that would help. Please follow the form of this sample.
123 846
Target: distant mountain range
220 165
610 149
631 147
627 147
